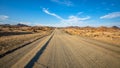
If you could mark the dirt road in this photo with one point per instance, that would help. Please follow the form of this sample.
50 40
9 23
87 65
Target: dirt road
61 50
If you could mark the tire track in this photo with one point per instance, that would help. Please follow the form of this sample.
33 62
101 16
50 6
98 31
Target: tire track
97 61
66 51
82 55
69 56
52 55
10 59
36 57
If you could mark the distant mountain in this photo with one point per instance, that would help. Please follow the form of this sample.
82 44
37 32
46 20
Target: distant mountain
5 25
19 24
115 27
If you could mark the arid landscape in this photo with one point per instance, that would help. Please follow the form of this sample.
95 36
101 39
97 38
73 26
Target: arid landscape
15 36
104 34
59 33
65 47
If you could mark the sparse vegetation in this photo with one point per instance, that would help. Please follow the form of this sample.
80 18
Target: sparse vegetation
13 36
106 34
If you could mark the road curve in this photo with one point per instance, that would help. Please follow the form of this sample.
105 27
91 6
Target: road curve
61 50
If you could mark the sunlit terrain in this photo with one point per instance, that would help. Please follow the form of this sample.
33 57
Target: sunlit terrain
59 33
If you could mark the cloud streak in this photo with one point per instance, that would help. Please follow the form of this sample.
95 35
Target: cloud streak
64 2
72 20
111 15
26 23
3 17
52 14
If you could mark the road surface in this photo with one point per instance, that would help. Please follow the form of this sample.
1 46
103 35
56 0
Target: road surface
61 50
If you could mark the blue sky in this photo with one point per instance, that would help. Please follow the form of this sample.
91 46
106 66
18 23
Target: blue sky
61 12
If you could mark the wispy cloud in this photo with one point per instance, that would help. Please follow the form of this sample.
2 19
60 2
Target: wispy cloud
3 17
65 2
111 15
75 19
27 23
53 14
72 20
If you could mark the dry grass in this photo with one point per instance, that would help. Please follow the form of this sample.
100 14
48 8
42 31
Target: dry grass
17 36
110 35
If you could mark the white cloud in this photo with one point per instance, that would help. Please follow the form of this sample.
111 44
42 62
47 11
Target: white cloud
3 17
27 23
75 19
111 15
53 14
65 2
72 20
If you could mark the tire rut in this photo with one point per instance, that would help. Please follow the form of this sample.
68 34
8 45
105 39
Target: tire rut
39 53
86 45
